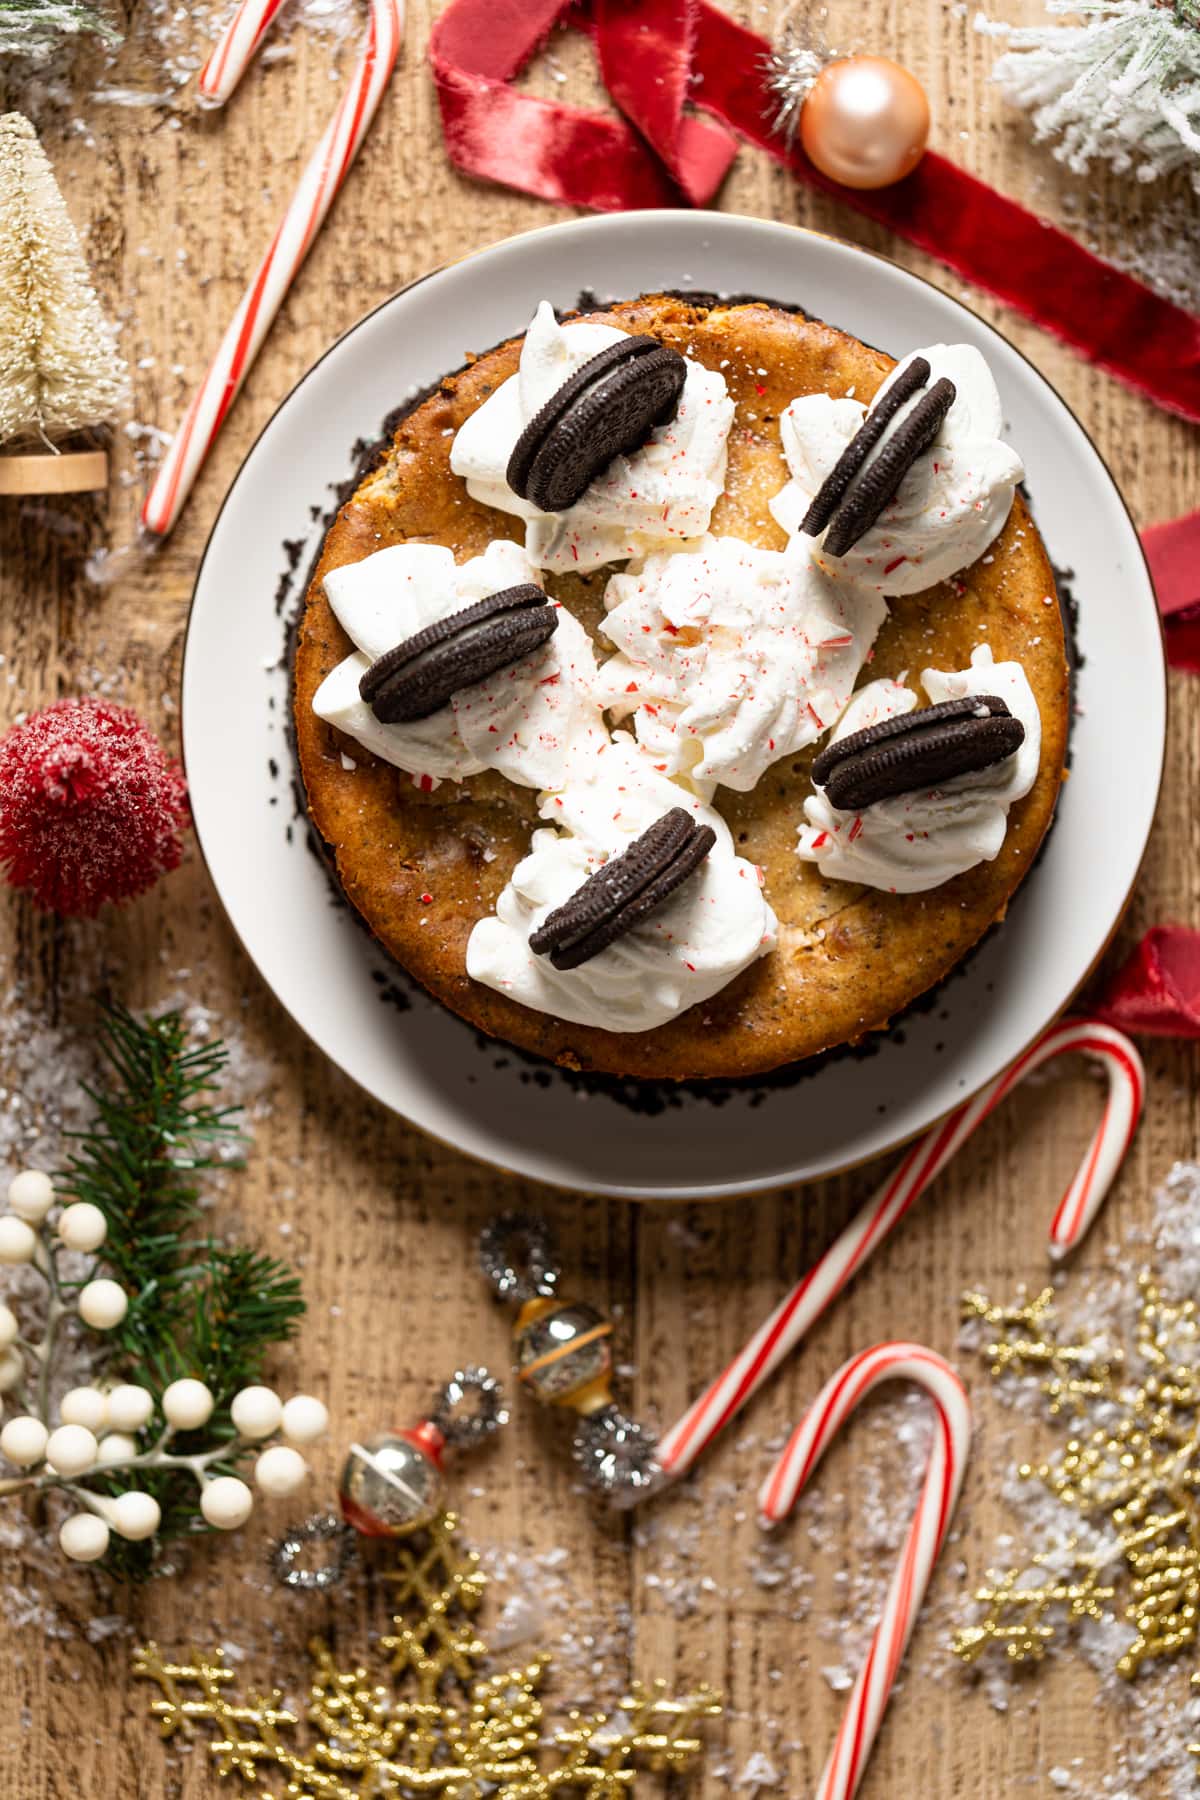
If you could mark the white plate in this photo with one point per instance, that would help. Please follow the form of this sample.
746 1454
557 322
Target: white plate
482 1097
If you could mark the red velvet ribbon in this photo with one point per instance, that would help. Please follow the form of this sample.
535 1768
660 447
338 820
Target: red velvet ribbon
656 55
542 147
632 38
1157 992
1173 552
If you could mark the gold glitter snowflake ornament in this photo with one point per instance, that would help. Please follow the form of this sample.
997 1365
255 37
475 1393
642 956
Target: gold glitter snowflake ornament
1020 1609
453 1731
1130 1470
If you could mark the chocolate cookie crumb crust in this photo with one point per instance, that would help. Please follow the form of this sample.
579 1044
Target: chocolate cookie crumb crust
422 868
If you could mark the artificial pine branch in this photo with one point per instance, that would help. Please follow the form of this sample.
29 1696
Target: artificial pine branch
195 1307
156 1127
243 1302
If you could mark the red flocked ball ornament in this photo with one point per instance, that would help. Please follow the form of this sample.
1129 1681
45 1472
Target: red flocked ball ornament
91 807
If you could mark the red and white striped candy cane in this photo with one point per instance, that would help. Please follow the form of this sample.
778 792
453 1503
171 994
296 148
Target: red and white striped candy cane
322 177
927 1534
921 1163
234 49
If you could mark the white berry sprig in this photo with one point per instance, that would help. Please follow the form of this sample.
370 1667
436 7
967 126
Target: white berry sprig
96 1438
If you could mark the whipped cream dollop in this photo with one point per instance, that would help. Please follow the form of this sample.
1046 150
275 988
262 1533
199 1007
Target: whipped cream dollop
916 841
663 493
528 720
713 926
951 503
731 657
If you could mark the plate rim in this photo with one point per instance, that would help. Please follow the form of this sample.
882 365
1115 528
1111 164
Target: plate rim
716 220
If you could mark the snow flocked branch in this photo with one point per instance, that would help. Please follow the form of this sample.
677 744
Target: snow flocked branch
1119 83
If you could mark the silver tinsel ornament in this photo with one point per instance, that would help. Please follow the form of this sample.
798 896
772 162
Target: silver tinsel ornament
617 1457
295 1543
799 54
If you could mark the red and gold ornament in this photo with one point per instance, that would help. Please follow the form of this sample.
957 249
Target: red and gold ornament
393 1484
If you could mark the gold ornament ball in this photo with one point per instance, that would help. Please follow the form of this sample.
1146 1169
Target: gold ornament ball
564 1356
865 122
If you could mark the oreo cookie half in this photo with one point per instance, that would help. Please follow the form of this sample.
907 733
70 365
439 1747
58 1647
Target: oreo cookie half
607 408
828 497
625 891
880 481
917 750
420 675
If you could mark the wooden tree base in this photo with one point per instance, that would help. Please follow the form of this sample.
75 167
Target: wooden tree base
75 472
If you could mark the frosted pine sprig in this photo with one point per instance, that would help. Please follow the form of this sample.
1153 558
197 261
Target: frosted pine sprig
1119 85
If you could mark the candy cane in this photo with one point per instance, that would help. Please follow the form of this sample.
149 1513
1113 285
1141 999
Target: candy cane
921 1164
322 177
234 49
927 1534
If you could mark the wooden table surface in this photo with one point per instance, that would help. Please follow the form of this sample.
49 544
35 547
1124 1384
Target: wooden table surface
174 203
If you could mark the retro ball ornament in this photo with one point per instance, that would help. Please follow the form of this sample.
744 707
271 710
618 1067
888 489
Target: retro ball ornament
563 1355
394 1483
865 122
861 120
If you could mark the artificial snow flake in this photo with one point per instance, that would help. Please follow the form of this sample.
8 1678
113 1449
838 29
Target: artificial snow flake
451 1730
60 369
1119 84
